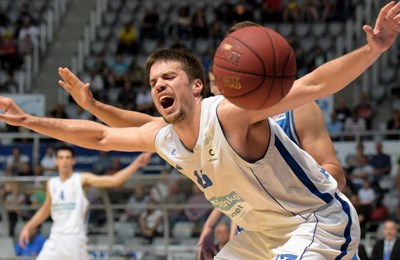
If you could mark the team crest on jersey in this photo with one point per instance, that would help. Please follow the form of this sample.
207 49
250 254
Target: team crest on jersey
174 152
279 117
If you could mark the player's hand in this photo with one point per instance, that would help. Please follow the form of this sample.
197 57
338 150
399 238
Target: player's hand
79 91
387 27
12 113
143 159
205 246
24 237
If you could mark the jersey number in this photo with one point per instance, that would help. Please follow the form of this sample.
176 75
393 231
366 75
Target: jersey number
203 179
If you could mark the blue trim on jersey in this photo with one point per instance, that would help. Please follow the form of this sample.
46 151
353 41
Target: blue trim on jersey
347 235
293 133
299 172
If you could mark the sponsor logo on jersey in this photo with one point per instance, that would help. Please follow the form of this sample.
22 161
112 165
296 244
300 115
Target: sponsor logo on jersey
231 205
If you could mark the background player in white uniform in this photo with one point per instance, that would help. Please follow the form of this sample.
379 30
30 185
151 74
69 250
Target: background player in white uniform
67 204
177 82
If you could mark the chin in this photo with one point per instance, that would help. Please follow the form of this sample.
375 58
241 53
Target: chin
175 118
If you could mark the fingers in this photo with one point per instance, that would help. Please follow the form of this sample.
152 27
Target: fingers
68 76
391 10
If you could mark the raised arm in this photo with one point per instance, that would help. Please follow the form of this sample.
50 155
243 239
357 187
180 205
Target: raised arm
115 180
334 75
315 140
40 216
110 115
83 133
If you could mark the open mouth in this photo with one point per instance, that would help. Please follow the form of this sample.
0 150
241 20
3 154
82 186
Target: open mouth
166 102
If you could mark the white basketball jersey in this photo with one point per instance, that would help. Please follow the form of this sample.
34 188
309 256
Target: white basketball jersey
68 205
283 188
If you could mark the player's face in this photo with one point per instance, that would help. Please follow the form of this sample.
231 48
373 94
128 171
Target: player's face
171 91
65 161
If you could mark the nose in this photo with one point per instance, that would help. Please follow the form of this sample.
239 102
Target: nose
159 86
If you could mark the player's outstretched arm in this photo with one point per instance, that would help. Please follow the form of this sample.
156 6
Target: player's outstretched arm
90 179
84 133
315 140
336 74
40 216
110 115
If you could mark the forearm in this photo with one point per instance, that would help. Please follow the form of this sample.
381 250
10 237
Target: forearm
40 216
120 177
117 117
83 133
338 73
213 218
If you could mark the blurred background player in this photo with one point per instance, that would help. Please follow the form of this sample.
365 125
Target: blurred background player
67 204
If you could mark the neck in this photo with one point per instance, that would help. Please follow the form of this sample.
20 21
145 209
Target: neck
188 129
65 175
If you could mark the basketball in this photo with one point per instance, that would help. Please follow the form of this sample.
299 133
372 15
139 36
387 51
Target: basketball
254 67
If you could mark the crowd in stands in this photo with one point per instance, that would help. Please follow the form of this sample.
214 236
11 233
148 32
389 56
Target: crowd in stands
117 77
19 32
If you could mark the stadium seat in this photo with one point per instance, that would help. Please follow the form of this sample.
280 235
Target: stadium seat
182 230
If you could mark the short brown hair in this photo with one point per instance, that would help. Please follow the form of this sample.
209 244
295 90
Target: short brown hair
241 25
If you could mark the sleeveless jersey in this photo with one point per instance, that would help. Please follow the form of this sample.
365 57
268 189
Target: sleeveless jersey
68 205
286 122
283 188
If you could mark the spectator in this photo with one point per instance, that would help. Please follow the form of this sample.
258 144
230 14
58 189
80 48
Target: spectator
103 163
9 56
48 162
224 12
150 24
387 248
241 13
127 39
272 11
34 246
136 74
25 46
182 25
199 24
144 102
16 160
334 127
362 172
364 110
394 124
150 221
136 203
354 125
160 190
352 160
29 29
24 14
13 199
195 210
175 196
343 112
96 81
381 163
10 85
59 112
115 166
4 20
127 97
118 70
291 11
366 197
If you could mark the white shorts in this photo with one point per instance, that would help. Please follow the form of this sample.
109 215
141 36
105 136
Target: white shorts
330 233
64 247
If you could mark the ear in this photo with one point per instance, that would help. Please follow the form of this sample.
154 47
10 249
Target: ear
197 87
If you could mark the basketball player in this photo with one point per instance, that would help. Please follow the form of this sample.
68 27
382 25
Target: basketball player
67 203
289 206
305 126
